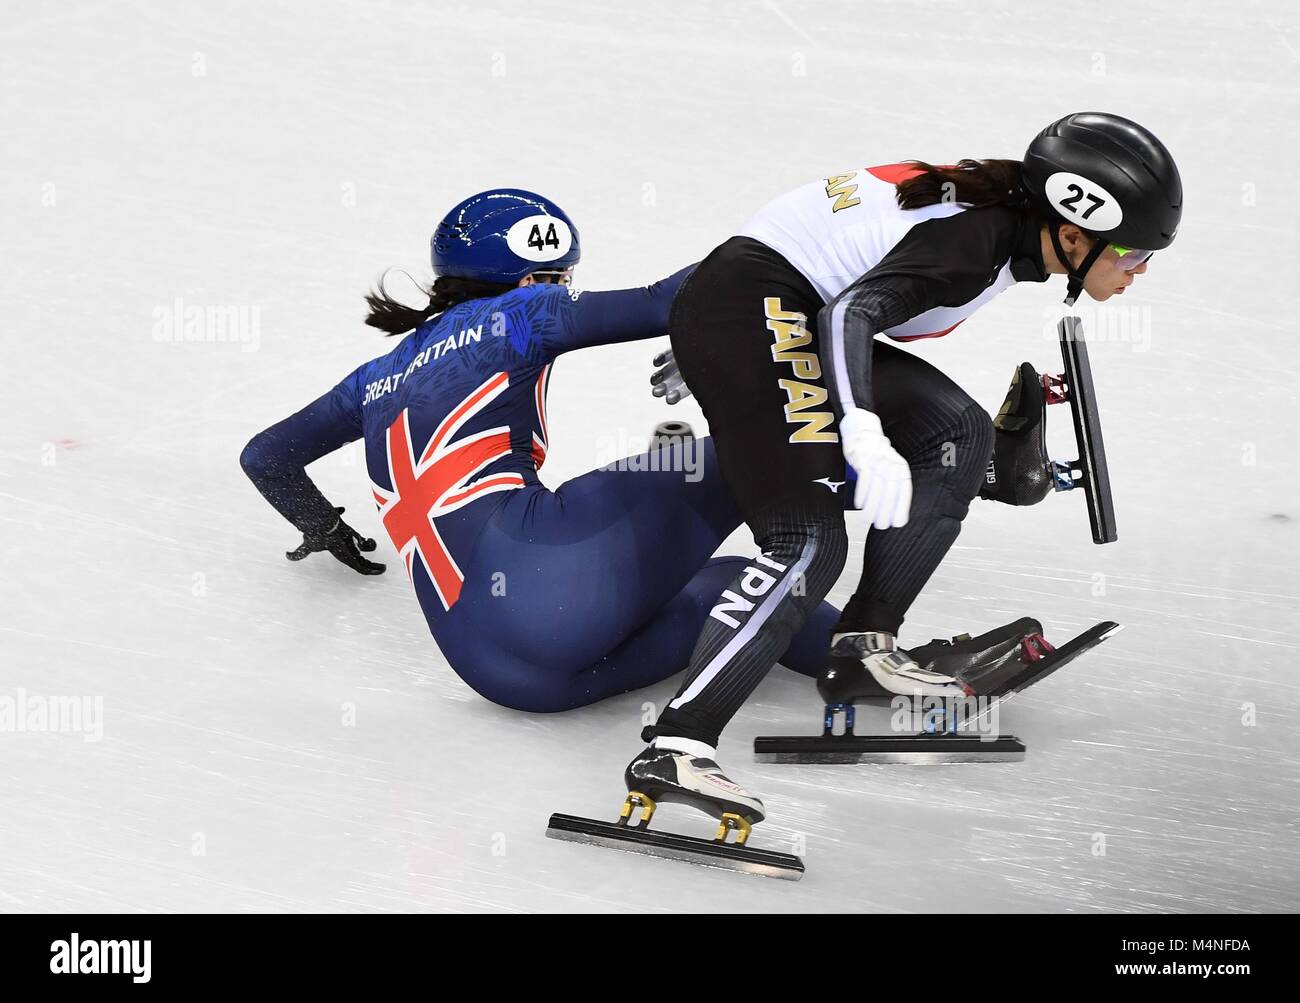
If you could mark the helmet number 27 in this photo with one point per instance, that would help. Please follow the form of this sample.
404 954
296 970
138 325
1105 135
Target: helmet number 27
1073 201
1066 192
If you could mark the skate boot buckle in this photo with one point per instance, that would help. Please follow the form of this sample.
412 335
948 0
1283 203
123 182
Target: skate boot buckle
633 801
729 821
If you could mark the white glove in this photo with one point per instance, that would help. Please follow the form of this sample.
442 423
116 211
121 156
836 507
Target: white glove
667 381
884 488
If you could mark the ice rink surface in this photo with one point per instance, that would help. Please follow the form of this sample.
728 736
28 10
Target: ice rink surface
282 736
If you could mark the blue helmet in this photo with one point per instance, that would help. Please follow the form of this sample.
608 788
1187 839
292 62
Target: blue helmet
502 235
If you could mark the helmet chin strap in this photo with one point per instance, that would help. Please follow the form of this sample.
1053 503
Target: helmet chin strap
1075 284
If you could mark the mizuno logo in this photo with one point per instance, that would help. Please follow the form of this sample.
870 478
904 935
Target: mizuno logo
833 485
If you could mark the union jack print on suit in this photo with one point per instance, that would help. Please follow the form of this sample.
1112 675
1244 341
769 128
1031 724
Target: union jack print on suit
435 484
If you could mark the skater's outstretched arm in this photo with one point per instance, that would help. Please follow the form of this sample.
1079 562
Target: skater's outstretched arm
585 319
274 461
275 458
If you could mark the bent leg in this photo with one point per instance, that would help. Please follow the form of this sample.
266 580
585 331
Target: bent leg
947 439
741 335
662 648
562 578
657 651
758 616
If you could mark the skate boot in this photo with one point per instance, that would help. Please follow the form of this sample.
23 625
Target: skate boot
1020 472
869 664
986 670
979 663
668 775
687 775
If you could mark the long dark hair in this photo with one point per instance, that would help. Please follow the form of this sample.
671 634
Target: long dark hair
971 182
394 317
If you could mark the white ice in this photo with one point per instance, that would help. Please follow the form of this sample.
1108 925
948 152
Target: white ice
279 156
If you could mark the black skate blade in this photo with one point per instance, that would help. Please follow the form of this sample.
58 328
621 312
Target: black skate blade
693 849
1087 431
907 750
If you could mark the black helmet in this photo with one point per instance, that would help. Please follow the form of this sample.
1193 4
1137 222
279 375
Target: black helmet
1108 176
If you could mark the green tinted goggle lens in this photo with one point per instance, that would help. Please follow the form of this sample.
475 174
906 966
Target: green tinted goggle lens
1130 258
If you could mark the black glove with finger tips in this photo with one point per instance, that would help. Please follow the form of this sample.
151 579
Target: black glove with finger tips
344 542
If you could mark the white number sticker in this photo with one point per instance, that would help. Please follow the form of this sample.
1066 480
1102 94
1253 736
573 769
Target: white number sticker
1084 202
540 238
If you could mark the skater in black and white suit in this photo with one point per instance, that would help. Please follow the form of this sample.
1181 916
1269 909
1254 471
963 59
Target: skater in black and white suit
775 334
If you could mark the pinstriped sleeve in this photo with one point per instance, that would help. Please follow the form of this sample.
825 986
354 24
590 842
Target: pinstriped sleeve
939 262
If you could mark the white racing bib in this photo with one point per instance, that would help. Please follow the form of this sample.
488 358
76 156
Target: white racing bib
540 238
1083 202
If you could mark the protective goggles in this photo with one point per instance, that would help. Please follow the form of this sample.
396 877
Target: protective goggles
559 277
1131 258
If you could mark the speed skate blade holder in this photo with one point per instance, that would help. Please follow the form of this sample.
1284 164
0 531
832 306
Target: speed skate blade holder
941 743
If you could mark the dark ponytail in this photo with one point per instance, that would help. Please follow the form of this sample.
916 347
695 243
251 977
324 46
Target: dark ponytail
394 317
972 182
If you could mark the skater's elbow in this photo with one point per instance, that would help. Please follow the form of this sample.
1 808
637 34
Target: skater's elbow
258 459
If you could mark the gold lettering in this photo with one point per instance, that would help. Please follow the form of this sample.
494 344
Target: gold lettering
806 365
772 310
788 337
812 424
838 188
790 332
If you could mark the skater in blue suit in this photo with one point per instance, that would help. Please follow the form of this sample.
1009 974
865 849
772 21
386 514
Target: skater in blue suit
540 600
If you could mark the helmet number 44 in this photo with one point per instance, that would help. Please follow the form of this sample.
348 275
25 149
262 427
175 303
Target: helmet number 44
540 238
535 238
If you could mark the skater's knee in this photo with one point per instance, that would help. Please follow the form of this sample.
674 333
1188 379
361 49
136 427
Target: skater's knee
526 698
808 544
959 459
831 551
514 683
950 432
972 448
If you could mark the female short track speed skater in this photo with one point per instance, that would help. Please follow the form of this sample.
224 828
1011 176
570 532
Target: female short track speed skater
774 333
540 600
